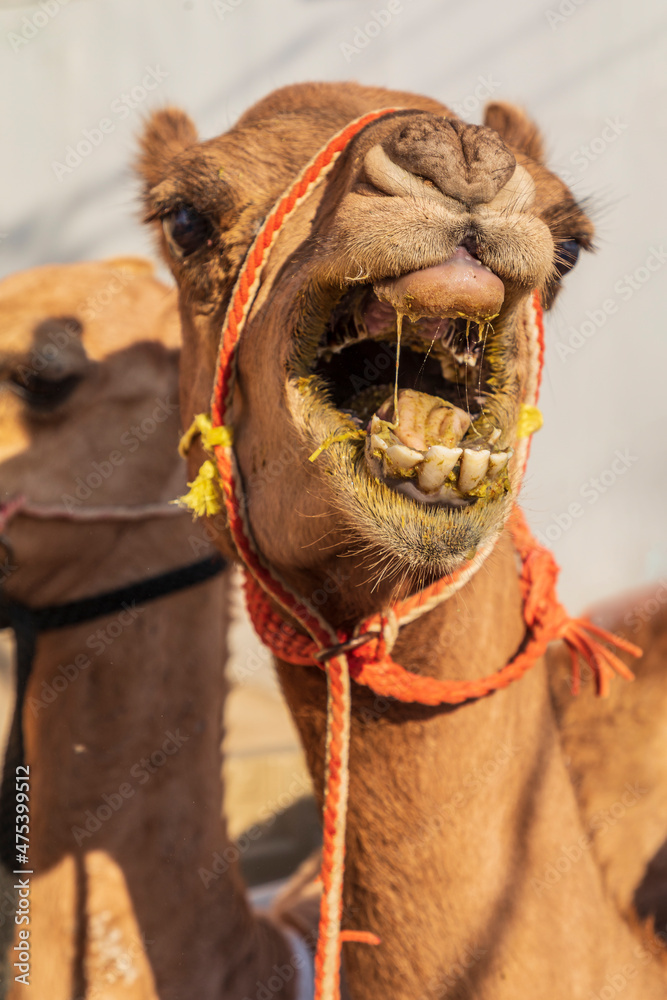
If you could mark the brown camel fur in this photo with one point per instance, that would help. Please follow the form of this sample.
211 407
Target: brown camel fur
124 753
615 751
455 815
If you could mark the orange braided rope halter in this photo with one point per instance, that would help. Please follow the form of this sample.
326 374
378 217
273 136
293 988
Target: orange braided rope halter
365 655
370 661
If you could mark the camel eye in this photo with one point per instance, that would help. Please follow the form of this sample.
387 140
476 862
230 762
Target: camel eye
43 394
186 230
567 255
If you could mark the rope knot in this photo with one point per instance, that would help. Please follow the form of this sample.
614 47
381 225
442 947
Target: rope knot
377 636
371 642
211 437
543 612
539 574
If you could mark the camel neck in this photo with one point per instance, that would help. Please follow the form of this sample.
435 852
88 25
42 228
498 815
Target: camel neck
125 603
456 814
123 725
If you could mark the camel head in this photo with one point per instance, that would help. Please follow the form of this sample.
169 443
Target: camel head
426 225
88 404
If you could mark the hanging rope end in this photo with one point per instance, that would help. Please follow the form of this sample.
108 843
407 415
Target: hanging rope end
588 642
203 497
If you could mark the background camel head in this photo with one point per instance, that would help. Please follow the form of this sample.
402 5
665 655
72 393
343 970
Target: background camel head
88 405
442 227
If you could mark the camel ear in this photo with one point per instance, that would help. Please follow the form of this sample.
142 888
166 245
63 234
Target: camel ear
166 134
515 128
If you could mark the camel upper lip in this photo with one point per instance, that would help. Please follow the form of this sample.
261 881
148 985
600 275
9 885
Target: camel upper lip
460 286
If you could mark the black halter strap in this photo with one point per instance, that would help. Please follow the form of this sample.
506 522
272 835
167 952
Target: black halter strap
28 622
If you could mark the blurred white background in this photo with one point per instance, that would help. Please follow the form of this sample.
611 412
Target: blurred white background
591 72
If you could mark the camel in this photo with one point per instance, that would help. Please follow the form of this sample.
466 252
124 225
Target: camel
387 338
122 714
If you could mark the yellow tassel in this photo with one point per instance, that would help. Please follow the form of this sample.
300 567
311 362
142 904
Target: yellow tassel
530 420
334 439
210 435
204 495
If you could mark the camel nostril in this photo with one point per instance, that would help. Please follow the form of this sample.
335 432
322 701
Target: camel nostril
469 243
392 179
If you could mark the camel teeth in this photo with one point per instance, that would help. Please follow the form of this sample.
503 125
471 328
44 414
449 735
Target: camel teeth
403 457
377 444
466 358
437 465
473 469
497 463
494 435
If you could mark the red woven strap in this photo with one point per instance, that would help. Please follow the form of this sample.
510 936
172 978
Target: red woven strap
327 957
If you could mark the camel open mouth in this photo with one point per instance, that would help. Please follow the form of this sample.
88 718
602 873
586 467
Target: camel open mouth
416 364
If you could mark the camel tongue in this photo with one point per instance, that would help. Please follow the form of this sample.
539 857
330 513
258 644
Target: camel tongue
461 286
422 420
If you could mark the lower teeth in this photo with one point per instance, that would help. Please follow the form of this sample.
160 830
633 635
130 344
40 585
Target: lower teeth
442 465
437 465
470 473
